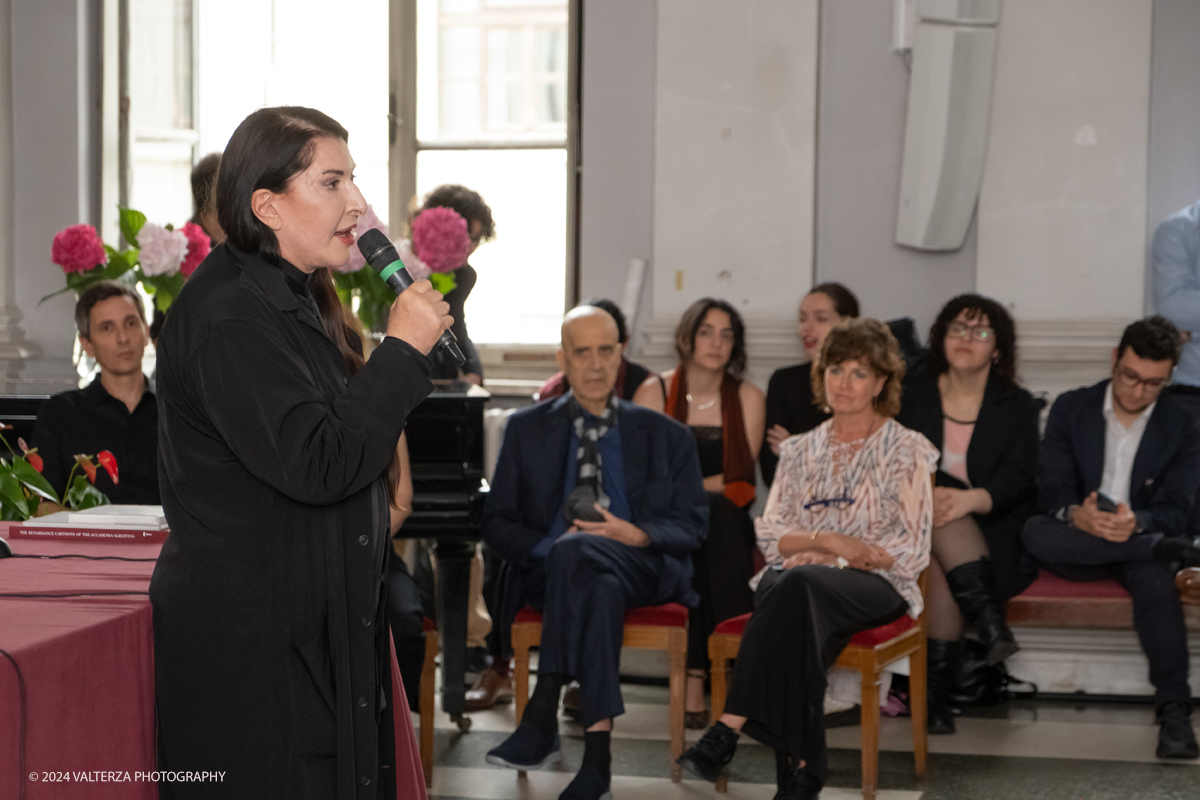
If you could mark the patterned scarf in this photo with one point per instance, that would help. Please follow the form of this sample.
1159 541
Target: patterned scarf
589 483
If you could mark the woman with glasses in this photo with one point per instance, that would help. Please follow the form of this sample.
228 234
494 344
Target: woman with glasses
706 392
967 403
846 535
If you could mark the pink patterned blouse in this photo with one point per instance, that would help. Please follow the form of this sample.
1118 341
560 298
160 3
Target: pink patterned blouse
888 481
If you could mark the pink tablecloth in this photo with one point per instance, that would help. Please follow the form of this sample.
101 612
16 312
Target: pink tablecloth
87 669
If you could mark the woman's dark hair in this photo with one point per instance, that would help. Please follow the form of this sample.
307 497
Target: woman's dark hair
614 311
844 301
1005 365
467 202
204 184
689 325
267 150
1153 338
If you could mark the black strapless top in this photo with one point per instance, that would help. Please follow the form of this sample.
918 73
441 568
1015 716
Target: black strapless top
712 448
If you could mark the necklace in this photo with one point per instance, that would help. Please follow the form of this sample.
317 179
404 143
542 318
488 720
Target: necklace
842 452
702 406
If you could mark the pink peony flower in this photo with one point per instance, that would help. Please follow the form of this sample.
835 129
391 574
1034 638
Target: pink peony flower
78 248
162 251
365 223
417 268
199 246
440 238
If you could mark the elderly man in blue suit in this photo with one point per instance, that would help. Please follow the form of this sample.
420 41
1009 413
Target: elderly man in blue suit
1123 443
598 505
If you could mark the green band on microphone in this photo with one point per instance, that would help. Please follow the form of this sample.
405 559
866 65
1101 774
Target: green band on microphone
391 269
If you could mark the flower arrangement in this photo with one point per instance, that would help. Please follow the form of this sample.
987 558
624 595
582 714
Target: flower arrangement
359 287
159 258
23 490
441 240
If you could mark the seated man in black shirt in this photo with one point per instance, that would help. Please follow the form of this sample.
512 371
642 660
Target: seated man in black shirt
116 412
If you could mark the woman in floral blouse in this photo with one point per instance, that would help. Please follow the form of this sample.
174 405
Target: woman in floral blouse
846 532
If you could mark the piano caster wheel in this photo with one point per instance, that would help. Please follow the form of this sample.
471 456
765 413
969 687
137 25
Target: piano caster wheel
463 723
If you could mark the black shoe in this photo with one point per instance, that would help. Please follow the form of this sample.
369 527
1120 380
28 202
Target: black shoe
707 757
1175 736
589 784
800 785
1177 550
943 667
528 748
974 588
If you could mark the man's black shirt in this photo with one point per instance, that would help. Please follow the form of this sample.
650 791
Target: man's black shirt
90 420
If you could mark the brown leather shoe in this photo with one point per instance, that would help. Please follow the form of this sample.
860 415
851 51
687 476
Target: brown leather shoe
1187 581
492 688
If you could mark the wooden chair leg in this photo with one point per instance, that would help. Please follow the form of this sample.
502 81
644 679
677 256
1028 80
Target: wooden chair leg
720 683
870 733
521 642
678 679
425 705
919 705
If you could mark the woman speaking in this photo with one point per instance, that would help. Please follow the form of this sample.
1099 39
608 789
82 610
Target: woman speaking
278 464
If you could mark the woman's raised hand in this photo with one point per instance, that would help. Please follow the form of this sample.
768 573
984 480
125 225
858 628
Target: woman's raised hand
419 316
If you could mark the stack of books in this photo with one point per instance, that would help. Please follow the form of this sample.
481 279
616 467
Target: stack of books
99 524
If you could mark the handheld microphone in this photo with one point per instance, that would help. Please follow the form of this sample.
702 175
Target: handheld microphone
384 259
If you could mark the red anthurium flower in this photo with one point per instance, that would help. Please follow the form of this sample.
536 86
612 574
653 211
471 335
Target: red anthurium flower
109 462
21 443
34 460
88 467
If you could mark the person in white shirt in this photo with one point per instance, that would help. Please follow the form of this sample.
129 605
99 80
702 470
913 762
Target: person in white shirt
1123 441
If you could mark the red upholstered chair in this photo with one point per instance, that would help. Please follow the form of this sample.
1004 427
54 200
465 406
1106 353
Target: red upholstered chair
868 652
650 628
425 702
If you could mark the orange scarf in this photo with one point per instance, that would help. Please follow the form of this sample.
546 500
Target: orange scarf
738 466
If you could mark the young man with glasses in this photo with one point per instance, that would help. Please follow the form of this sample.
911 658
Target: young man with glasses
1125 441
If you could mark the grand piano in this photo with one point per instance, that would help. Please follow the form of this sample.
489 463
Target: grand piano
445 440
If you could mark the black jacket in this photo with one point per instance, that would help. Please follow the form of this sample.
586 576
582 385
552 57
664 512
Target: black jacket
662 477
1166 470
790 404
270 644
1002 458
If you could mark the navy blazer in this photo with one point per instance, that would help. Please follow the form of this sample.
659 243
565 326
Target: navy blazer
662 479
1166 469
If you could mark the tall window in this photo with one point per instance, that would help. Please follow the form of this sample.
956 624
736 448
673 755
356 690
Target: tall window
492 107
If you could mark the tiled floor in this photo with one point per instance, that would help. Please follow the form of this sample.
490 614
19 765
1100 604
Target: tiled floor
1021 750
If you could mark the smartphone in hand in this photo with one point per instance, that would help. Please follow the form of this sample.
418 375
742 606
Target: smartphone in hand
1106 503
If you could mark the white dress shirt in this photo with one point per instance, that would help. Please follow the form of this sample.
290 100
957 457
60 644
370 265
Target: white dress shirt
1120 448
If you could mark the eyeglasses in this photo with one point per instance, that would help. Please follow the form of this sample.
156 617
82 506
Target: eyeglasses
980 333
1133 380
837 502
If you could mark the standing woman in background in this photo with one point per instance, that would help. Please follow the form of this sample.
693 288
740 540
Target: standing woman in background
791 409
278 460
706 392
967 403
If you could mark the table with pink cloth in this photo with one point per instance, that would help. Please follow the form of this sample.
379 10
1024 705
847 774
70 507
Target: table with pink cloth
77 675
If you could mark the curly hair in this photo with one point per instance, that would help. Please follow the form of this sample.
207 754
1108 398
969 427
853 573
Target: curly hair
467 202
867 341
976 306
689 325
1153 338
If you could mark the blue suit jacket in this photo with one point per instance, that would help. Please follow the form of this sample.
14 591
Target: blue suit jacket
1166 469
662 478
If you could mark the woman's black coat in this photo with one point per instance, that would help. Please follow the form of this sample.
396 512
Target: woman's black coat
271 650
790 404
1002 458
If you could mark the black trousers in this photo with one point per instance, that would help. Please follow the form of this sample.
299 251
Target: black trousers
583 588
722 569
1157 613
1189 396
804 619
405 616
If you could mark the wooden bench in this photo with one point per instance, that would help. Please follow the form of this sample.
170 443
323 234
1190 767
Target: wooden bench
1054 602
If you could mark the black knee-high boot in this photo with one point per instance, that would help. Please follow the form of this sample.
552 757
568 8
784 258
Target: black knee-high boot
943 667
974 588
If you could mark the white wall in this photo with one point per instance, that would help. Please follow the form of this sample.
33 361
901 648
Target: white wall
734 154
55 141
1062 212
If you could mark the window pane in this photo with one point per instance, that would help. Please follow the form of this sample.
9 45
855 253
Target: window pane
459 72
160 74
459 6
522 272
505 96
